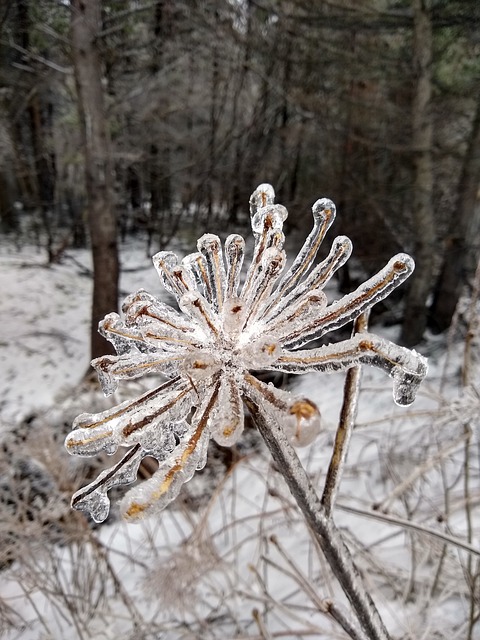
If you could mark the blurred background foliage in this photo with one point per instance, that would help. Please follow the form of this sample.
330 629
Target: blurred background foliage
146 118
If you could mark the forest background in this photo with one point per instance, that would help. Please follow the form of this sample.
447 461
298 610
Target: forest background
125 117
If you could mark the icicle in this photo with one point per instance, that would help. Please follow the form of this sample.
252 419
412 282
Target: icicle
93 498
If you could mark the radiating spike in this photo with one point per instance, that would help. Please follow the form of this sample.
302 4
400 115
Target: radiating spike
164 486
226 424
121 336
304 310
174 278
126 424
196 266
141 305
234 254
323 215
273 263
407 367
194 305
210 247
316 279
269 223
111 369
350 306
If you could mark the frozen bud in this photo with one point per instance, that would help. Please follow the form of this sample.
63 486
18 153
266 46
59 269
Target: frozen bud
234 316
263 195
261 352
269 219
199 366
164 261
303 422
324 209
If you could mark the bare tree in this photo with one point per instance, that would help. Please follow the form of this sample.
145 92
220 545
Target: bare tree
415 318
85 26
462 244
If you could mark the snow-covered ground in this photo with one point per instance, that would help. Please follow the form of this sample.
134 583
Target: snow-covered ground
207 567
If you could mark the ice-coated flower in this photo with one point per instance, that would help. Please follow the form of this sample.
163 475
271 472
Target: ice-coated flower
228 327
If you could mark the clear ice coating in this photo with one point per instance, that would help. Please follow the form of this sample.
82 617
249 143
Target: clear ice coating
208 349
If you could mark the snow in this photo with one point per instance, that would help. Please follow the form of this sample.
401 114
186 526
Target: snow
199 572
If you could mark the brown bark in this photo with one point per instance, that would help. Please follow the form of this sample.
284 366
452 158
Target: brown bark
415 317
85 25
460 256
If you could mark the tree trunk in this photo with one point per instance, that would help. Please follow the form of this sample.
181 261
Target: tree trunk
85 26
459 259
415 317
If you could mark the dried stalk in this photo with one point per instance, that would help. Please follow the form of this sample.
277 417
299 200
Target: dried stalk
345 425
328 536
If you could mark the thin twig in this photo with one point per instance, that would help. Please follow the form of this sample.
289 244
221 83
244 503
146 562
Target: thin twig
329 537
325 605
265 635
345 425
419 471
408 524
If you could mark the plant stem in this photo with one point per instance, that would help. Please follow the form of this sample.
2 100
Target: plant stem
329 537
345 426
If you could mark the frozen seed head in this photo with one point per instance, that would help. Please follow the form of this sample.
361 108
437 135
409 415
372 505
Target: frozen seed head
229 324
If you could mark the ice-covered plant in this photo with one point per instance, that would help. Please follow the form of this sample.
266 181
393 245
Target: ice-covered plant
227 328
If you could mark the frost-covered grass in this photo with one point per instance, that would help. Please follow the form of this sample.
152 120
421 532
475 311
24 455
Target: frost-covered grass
208 567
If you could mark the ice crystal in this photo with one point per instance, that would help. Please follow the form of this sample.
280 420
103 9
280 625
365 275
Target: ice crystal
226 329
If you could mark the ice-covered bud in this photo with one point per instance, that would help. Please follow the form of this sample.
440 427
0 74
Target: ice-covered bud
260 352
324 209
234 315
199 366
303 423
269 218
263 195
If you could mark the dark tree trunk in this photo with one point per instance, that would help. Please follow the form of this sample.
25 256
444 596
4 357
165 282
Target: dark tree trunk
460 253
415 317
85 25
